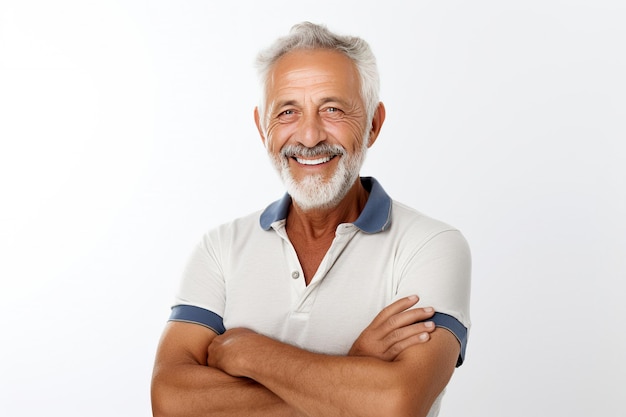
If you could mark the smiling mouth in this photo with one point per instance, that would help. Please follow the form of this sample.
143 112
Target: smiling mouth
317 161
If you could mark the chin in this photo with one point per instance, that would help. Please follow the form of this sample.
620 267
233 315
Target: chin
315 193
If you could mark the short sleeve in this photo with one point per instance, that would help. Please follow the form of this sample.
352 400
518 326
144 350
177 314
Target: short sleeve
201 294
438 270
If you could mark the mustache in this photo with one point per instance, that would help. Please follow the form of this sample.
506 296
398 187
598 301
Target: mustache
290 151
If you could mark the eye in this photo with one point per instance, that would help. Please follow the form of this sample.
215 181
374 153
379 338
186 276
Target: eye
287 115
332 112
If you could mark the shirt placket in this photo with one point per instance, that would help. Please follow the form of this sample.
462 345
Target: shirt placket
303 296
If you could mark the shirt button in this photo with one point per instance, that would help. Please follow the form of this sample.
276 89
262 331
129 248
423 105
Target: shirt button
295 275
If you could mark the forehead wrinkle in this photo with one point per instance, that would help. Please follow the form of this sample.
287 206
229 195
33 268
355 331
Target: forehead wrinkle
319 94
293 82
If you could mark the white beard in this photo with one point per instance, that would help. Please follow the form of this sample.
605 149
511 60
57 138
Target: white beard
313 191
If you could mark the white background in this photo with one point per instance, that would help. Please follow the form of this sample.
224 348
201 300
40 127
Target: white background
126 132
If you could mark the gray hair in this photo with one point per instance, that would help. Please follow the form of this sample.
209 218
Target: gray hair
307 35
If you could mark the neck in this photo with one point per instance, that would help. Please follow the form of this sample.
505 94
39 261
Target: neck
317 223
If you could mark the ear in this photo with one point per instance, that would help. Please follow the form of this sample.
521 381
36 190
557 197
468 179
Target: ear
377 123
257 121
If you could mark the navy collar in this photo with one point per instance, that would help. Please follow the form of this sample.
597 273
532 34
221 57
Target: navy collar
375 217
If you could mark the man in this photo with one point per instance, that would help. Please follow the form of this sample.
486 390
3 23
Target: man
310 307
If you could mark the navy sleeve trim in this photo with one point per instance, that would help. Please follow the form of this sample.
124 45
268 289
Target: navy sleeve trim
198 315
452 324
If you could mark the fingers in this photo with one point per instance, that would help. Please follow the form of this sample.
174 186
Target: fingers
395 328
404 328
397 348
228 352
398 314
407 336
395 308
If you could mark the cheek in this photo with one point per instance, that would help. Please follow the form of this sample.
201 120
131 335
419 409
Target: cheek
349 134
276 137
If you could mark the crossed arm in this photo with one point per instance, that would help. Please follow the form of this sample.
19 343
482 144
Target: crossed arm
388 371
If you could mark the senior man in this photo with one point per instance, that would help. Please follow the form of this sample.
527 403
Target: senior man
335 300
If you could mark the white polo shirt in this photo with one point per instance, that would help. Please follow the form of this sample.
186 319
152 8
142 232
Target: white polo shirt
246 274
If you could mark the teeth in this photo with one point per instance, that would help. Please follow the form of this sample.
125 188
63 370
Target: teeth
313 161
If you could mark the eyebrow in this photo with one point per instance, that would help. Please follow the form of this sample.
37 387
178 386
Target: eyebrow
285 103
333 99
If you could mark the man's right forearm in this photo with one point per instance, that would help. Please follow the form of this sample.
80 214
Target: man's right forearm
195 390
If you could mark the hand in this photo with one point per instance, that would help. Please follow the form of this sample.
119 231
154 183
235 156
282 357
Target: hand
227 350
394 329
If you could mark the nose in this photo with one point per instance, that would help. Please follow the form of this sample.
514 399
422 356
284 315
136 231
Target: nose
311 130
